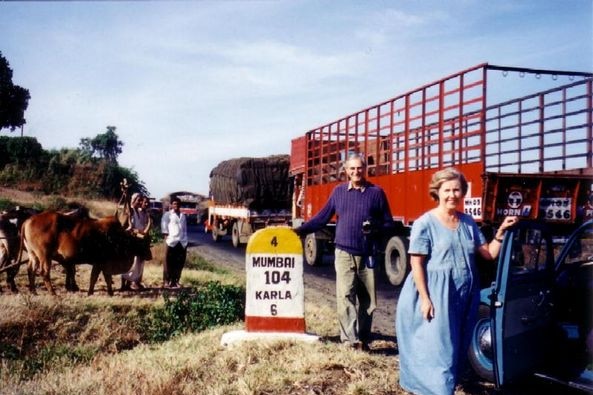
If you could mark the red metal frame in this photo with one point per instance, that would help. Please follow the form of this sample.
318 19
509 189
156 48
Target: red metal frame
448 123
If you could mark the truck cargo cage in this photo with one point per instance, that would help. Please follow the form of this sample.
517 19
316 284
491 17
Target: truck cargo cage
534 137
449 123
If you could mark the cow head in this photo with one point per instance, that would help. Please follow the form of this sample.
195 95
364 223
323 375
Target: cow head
123 210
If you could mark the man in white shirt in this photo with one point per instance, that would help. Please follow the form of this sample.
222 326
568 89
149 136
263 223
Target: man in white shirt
174 229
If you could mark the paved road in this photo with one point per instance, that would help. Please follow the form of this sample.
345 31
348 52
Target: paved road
320 278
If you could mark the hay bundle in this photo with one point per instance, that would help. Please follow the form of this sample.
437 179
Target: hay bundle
258 183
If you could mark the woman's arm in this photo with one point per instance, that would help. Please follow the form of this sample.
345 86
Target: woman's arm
146 229
490 251
419 276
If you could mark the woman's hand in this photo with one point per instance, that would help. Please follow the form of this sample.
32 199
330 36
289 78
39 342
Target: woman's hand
427 309
506 223
490 251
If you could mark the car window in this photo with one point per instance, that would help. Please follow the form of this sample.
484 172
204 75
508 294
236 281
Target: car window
530 250
581 250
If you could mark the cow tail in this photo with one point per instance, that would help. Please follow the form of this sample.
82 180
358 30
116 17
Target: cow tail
21 246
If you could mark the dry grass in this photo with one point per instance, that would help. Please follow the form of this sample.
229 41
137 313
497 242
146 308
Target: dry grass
102 329
95 346
112 359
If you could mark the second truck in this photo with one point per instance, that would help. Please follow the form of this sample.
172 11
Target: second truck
247 194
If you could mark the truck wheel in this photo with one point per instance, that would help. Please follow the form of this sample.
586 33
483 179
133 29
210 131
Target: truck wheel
313 250
396 260
480 350
235 234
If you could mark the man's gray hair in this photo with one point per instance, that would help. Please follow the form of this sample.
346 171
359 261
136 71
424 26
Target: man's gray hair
354 156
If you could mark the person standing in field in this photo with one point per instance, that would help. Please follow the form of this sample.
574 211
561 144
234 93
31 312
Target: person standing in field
140 223
174 229
362 212
438 304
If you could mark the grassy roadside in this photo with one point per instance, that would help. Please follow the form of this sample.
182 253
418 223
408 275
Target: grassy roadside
74 344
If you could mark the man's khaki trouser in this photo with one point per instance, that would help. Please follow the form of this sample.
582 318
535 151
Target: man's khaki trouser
354 282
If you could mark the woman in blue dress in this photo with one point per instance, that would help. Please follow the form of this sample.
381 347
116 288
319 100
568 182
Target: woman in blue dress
438 304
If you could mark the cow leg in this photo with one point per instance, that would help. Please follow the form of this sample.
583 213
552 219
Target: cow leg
48 285
10 275
45 264
109 282
31 275
47 278
94 276
71 285
31 272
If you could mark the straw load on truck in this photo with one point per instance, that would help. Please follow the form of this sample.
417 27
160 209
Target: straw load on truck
247 194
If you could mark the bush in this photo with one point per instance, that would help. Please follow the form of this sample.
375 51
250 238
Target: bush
207 307
6 204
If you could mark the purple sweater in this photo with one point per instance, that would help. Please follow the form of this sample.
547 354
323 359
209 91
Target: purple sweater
352 207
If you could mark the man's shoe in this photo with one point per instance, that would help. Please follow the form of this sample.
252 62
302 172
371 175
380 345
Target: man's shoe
357 345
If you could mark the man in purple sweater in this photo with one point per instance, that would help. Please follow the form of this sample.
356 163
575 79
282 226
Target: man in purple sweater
362 211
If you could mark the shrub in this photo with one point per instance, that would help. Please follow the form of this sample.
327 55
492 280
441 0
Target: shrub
6 204
207 307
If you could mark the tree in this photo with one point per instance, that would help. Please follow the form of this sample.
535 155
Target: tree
105 146
24 150
14 99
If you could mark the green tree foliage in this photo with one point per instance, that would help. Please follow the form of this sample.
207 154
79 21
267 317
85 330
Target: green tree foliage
14 99
24 150
24 164
113 176
107 145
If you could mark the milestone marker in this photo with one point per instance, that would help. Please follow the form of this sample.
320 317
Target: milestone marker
275 297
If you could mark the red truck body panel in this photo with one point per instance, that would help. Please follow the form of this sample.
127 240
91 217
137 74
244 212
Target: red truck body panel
512 153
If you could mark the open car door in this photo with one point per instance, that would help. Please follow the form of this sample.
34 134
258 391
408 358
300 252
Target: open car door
522 301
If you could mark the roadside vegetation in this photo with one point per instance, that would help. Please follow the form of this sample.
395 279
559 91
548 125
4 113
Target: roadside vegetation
168 342
157 342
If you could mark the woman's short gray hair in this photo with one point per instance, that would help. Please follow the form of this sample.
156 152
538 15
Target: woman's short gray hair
442 176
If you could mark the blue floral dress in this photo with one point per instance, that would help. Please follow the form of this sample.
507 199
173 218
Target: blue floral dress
430 351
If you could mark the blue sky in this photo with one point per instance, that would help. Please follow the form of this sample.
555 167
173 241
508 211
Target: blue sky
191 83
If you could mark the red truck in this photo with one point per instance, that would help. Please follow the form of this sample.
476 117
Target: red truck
528 155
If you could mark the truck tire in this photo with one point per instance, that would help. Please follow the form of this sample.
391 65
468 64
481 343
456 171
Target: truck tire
235 234
396 260
313 250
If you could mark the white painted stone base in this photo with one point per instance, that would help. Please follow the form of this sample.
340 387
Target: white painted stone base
229 339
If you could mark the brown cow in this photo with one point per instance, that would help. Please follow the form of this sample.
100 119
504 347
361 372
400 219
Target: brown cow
71 240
